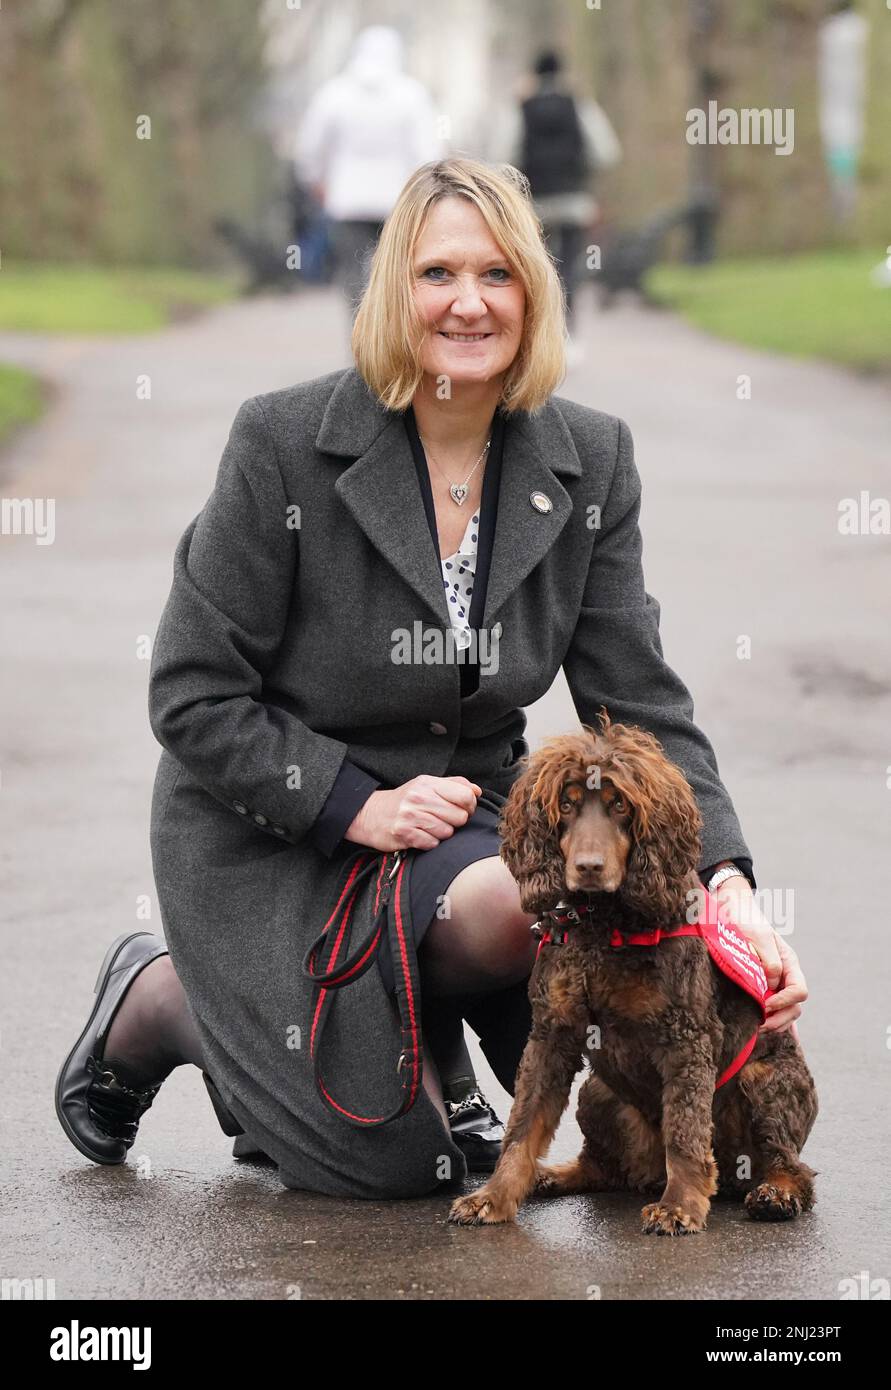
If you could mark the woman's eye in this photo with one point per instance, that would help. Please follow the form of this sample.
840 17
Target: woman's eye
436 272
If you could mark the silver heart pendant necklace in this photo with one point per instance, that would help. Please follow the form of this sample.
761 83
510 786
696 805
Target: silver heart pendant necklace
459 491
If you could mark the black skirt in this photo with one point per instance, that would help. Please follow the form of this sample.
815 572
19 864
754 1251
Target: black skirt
433 870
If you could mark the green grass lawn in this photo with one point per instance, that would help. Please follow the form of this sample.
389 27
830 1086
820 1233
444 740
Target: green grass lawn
43 298
816 305
20 399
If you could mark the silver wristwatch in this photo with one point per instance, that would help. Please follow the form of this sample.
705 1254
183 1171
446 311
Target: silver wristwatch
727 871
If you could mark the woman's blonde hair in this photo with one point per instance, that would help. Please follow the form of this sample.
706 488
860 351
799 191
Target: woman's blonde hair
389 329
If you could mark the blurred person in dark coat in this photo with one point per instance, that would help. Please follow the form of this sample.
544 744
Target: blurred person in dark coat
560 143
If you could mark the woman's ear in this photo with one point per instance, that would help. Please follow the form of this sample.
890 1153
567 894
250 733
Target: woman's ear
530 849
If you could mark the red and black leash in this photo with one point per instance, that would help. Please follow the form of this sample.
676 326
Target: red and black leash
330 963
330 969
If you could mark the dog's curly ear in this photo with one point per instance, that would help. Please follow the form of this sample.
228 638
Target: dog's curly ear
667 841
529 846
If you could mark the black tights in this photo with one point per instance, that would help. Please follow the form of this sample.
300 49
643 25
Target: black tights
153 1030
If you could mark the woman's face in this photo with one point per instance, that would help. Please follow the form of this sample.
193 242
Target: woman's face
466 289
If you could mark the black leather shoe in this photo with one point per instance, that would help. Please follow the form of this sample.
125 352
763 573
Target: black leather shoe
97 1108
477 1131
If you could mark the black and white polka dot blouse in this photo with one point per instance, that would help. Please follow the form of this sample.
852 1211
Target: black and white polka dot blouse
458 574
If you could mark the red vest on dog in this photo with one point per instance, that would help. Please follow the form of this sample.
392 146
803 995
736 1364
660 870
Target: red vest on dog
730 952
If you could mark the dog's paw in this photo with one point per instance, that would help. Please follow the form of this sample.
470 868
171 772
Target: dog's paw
481 1209
659 1220
769 1203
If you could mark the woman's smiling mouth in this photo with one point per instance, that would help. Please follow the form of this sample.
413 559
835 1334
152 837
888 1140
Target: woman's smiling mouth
464 337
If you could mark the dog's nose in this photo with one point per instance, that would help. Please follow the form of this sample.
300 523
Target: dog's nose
590 867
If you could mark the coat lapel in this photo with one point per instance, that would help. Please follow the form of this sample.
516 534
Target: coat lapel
524 535
381 491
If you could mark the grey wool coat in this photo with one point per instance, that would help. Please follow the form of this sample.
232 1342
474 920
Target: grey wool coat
273 668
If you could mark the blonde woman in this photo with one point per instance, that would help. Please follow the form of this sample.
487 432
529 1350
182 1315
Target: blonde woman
396 559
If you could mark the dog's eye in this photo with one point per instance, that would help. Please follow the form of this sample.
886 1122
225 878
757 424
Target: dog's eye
566 806
619 806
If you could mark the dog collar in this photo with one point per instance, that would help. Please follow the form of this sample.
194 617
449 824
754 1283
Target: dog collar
553 927
730 951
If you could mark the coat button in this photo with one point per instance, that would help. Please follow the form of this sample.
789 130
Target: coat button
541 501
279 830
437 728
240 807
260 820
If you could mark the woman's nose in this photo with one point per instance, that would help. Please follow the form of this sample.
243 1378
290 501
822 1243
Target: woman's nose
468 301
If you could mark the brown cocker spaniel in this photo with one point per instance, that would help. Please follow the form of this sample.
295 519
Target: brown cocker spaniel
604 823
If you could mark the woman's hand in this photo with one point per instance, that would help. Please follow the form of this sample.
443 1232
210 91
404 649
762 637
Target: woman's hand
737 901
416 815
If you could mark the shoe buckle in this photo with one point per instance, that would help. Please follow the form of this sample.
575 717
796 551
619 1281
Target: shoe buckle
108 1079
105 1078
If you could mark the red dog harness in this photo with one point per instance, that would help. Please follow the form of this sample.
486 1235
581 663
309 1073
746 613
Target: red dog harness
730 952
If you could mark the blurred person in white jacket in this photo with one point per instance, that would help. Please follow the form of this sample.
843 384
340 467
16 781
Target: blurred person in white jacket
364 132
560 143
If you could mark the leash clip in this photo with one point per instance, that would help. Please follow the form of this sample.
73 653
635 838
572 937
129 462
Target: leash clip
396 862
